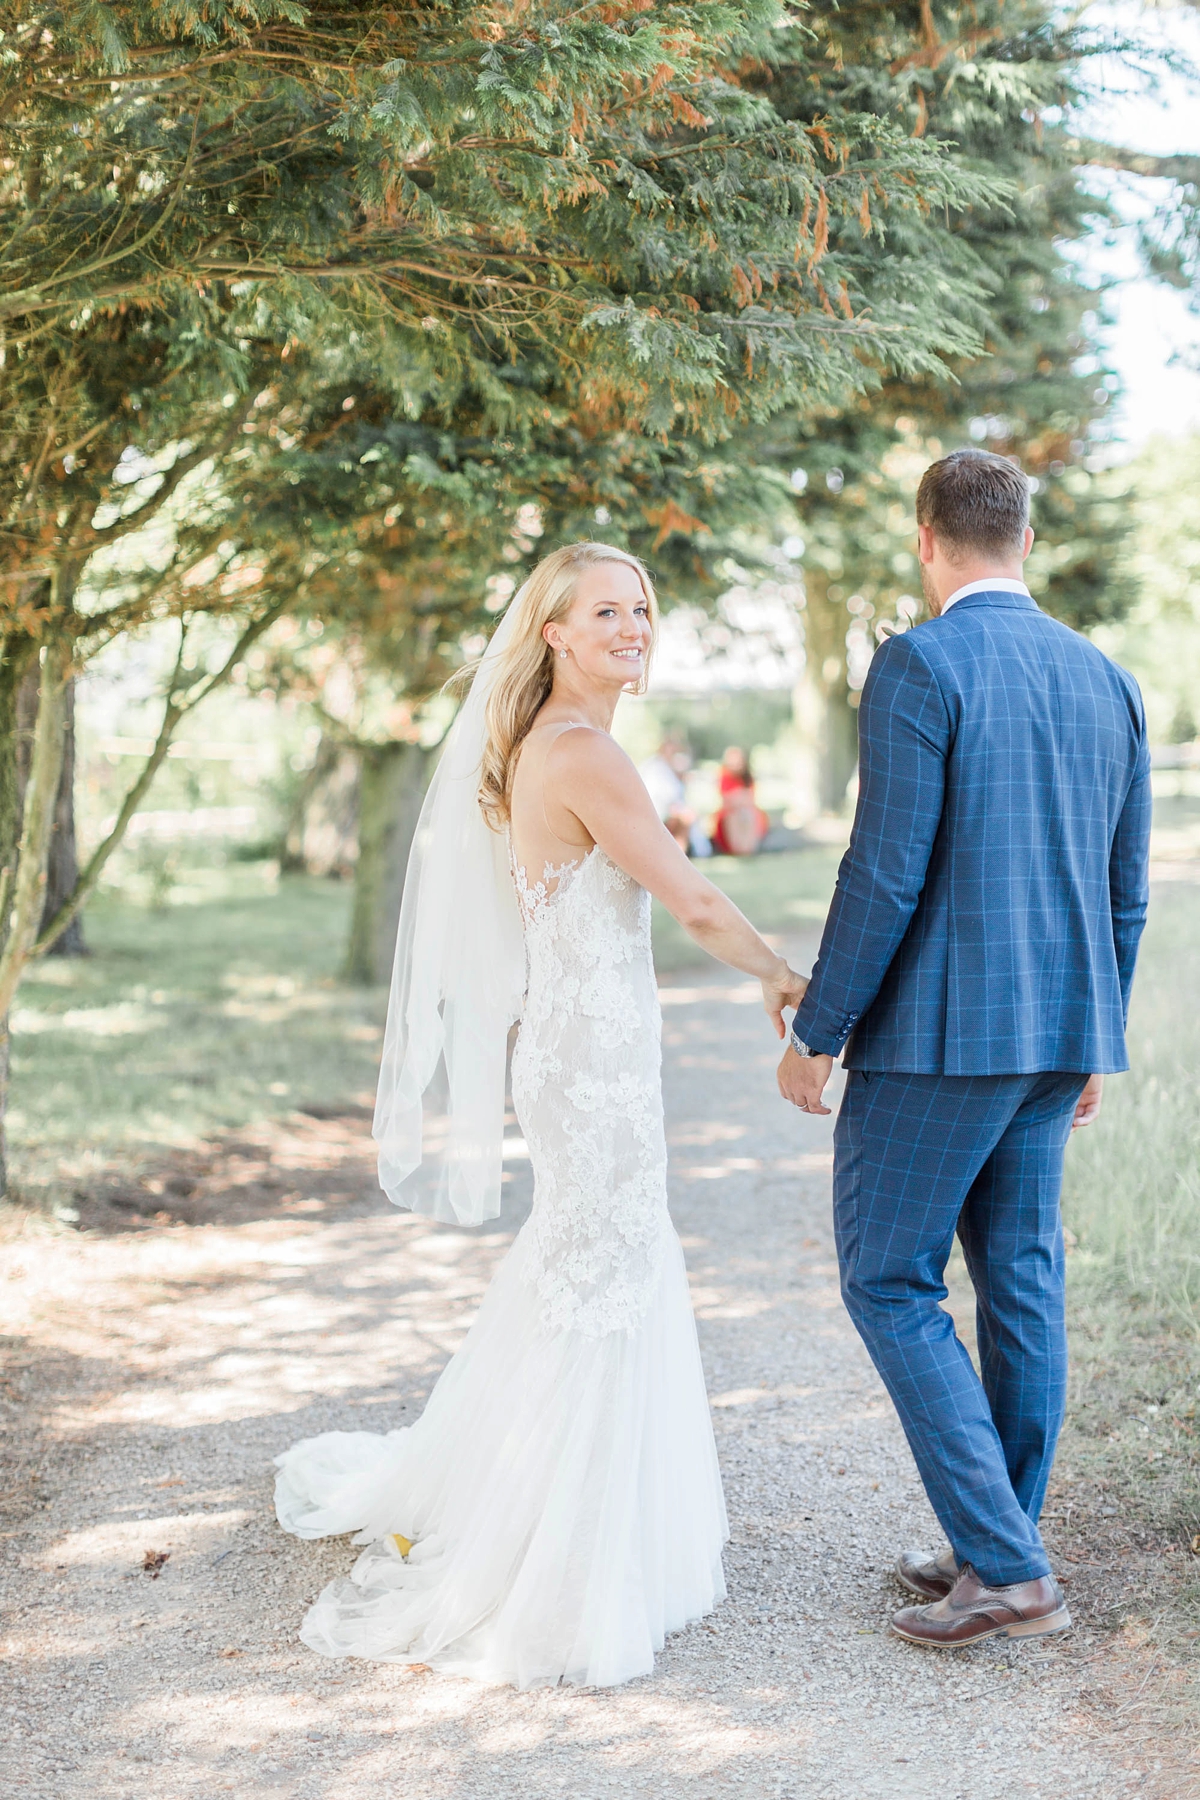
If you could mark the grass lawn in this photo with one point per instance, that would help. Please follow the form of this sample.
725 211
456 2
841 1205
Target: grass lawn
185 1021
1131 1450
204 1016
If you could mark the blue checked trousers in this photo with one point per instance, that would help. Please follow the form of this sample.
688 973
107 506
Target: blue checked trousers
916 1158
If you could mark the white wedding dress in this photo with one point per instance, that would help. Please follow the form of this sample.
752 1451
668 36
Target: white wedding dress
560 1491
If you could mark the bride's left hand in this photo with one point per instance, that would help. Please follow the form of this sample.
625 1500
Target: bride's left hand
785 988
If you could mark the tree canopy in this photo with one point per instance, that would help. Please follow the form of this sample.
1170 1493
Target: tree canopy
211 215
302 305
996 83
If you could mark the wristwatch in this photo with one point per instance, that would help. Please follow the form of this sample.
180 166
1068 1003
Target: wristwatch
800 1047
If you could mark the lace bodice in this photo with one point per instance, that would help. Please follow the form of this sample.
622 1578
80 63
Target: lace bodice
586 1083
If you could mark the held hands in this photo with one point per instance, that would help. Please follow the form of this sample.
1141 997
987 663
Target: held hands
782 988
802 1079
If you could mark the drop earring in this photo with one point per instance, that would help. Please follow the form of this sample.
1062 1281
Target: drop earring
563 655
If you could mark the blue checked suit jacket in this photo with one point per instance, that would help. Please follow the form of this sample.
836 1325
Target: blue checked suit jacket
987 913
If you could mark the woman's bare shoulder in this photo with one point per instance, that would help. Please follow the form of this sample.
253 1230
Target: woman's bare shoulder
582 752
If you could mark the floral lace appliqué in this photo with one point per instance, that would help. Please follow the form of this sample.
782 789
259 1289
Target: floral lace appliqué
586 1083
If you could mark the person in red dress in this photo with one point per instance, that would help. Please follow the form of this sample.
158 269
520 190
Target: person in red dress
741 825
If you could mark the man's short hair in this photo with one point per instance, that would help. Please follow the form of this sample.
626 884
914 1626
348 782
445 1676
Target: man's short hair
973 500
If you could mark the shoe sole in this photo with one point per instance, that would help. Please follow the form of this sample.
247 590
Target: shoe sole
1021 1628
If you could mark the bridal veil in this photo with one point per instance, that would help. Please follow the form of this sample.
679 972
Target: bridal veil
457 988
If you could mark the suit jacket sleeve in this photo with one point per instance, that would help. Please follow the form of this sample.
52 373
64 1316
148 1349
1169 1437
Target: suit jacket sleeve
904 738
1129 863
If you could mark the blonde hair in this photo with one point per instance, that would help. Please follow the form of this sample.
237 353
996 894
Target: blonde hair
526 669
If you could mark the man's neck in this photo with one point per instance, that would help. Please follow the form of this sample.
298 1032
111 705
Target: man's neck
970 573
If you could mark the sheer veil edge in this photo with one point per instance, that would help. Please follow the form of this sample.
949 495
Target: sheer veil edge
457 988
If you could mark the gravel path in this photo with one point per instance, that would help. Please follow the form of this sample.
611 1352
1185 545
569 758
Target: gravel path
169 1366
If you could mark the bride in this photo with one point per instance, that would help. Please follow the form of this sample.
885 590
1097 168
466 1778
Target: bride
557 1509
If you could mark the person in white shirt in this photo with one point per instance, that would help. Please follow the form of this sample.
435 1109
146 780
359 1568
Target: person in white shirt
663 774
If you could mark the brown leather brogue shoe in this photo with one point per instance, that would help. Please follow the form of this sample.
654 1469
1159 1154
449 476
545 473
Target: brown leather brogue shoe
930 1576
971 1611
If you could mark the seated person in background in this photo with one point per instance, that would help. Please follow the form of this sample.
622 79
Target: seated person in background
741 825
663 775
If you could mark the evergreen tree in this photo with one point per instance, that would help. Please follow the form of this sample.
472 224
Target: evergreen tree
995 89
193 199
700 509
994 83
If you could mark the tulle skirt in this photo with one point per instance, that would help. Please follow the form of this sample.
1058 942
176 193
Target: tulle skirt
560 1491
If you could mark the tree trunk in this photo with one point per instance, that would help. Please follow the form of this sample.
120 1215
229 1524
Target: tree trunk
831 715
62 870
292 860
326 841
24 876
14 759
4 1107
392 783
839 747
13 753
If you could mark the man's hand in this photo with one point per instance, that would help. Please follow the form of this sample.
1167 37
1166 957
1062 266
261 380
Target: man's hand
802 1079
1088 1107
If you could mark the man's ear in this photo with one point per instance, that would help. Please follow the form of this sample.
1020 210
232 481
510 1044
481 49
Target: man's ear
925 544
1028 542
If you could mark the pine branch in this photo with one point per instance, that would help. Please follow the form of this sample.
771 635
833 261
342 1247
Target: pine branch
115 256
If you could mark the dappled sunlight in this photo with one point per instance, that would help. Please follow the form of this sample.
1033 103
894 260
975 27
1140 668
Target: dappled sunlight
262 1323
716 1308
277 1011
224 1010
742 1165
260 986
760 1396
119 1544
157 1600
707 1131
125 1018
743 993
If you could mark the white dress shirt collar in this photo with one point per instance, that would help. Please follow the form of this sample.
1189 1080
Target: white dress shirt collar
994 584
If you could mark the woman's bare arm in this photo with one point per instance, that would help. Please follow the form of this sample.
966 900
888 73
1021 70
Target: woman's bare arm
591 777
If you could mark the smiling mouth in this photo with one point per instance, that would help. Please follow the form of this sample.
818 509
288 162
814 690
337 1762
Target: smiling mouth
628 655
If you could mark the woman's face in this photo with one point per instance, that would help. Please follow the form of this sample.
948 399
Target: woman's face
734 760
606 632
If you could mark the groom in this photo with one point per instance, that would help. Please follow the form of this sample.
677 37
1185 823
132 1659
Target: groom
976 966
